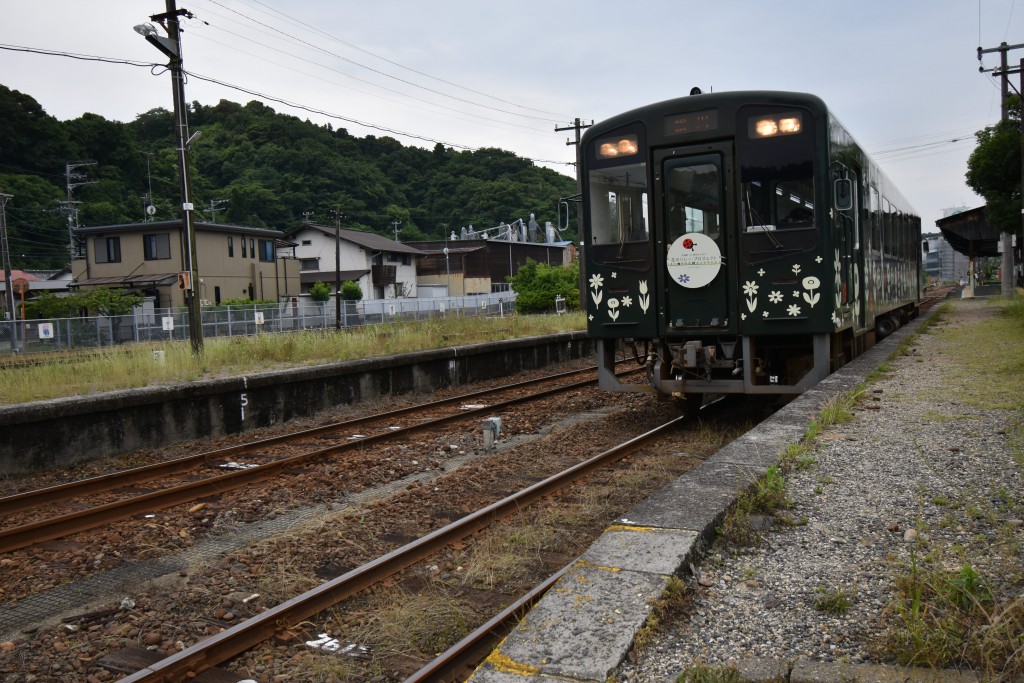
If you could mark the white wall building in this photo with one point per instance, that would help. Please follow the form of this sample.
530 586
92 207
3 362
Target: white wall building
383 268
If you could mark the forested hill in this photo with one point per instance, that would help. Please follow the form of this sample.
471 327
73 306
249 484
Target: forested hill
270 168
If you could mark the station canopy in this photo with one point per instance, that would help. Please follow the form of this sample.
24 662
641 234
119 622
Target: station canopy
968 233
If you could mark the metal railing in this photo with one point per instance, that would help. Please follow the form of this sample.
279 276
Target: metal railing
171 324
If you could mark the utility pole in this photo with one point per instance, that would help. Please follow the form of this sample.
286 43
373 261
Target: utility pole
9 290
338 217
578 126
215 206
171 47
148 209
1007 288
74 179
395 225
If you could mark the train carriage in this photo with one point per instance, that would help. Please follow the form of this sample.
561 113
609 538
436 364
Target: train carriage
739 242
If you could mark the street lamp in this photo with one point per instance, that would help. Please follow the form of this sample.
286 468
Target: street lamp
170 46
448 272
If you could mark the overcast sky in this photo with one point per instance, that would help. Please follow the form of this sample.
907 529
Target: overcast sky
902 75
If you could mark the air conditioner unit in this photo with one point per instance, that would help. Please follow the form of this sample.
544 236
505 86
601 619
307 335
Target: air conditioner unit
204 302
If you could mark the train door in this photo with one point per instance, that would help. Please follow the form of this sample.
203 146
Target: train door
693 206
847 233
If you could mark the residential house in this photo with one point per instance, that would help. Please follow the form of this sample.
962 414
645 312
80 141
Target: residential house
232 262
461 267
382 267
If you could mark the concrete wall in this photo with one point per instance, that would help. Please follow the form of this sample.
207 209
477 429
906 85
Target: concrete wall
62 432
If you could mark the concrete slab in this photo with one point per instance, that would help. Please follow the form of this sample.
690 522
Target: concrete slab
581 629
685 504
643 549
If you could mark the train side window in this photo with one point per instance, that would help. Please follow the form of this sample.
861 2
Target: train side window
876 220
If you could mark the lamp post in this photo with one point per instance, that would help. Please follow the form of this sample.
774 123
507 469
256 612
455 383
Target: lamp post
448 272
171 47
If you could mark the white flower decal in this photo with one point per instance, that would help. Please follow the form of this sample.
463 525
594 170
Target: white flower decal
818 259
761 272
765 314
613 309
811 283
743 316
750 289
596 282
775 297
793 310
796 268
626 302
644 299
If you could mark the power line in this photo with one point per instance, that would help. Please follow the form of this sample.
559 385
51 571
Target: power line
57 53
384 59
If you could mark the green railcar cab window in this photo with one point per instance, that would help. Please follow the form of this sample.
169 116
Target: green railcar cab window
777 191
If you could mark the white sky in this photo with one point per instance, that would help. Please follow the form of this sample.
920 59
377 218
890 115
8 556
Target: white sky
902 75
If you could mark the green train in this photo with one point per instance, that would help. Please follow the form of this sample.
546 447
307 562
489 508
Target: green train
739 243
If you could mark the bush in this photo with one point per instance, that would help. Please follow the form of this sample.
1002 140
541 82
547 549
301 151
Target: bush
350 291
320 292
537 285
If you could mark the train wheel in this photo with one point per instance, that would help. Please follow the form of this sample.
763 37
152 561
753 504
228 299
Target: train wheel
689 404
884 326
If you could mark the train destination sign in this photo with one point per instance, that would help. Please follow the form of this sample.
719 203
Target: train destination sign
691 122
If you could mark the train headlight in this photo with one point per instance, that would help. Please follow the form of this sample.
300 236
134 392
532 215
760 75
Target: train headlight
789 123
766 127
619 146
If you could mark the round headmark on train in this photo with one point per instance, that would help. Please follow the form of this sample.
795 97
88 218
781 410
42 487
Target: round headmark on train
694 260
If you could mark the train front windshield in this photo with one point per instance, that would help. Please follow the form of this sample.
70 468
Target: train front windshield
776 155
618 205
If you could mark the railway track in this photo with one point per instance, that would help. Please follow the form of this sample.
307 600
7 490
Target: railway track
221 647
58 511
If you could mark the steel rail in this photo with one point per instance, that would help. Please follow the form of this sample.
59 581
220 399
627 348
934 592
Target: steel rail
31 499
82 520
218 648
472 649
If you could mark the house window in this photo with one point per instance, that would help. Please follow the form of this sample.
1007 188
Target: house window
307 243
108 249
393 257
406 259
231 246
252 247
245 253
267 251
156 247
309 264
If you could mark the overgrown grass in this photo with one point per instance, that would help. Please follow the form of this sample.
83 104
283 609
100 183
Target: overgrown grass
136 365
765 496
961 605
705 673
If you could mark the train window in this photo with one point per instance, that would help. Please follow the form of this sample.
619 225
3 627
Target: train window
876 220
618 205
693 194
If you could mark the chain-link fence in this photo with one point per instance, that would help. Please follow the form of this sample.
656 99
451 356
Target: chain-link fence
167 324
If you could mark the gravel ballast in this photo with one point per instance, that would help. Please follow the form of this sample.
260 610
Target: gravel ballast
923 469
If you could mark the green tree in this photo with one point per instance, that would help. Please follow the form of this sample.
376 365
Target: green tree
537 284
320 292
350 291
994 170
